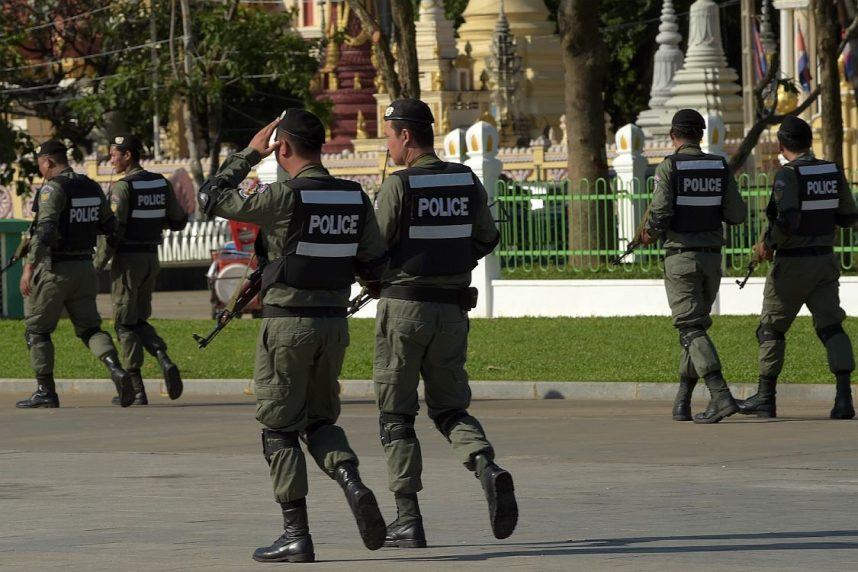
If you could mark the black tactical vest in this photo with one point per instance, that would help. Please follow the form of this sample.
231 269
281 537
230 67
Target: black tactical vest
818 185
437 222
699 185
147 213
80 219
324 234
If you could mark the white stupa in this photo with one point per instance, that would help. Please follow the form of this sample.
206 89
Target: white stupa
705 82
668 59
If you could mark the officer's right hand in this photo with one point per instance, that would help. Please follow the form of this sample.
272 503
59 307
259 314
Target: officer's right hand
763 252
26 284
260 141
646 239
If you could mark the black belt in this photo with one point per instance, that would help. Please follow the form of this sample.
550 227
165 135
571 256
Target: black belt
465 298
706 249
137 248
804 251
60 257
269 311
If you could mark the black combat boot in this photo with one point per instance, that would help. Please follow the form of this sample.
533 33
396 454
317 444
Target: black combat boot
121 379
763 403
364 507
295 544
843 408
721 403
44 396
172 377
500 494
407 530
682 403
139 389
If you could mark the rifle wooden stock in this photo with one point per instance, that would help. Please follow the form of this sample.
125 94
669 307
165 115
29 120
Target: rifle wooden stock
636 240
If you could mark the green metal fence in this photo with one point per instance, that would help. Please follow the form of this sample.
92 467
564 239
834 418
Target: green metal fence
536 219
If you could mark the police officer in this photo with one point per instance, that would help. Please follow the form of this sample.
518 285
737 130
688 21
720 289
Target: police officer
810 199
437 224
694 193
144 205
319 231
69 212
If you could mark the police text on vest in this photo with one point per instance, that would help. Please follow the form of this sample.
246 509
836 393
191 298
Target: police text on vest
822 187
701 185
334 224
83 214
446 206
153 200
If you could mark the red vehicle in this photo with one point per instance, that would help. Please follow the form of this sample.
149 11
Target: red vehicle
231 264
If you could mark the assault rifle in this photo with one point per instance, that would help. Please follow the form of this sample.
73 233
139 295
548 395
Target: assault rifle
20 252
240 299
752 265
355 304
636 240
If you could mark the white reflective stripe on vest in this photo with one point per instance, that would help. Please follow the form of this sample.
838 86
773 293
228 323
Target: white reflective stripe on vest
698 201
440 232
703 164
332 197
827 204
87 202
327 250
154 213
153 184
442 180
818 169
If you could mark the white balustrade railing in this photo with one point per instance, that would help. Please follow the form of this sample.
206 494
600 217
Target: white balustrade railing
195 242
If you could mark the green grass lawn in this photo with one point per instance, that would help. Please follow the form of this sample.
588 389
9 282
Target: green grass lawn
550 349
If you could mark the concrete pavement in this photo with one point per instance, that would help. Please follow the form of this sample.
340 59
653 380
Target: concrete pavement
602 486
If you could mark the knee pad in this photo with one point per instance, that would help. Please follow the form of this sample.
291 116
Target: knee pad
687 335
393 427
32 338
316 426
766 333
274 440
123 328
829 332
446 420
86 335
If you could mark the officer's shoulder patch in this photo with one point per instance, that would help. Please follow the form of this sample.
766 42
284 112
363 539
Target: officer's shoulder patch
253 187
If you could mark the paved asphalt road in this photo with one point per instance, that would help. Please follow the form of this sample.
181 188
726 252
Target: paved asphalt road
601 486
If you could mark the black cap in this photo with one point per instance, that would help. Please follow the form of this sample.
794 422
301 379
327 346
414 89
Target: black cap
126 142
796 129
688 118
412 110
51 147
304 125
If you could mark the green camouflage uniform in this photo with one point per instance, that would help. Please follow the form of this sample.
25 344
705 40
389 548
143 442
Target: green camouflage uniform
414 339
133 276
691 279
795 281
298 359
56 285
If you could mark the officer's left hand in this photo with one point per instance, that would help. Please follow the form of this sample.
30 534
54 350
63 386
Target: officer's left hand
26 284
261 139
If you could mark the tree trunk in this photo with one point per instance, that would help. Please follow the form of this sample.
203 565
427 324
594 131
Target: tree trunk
386 61
584 60
403 19
827 42
187 109
215 134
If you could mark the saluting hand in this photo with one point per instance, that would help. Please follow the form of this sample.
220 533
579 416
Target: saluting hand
261 139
